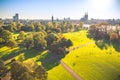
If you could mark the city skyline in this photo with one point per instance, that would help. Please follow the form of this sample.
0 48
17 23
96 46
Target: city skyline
75 9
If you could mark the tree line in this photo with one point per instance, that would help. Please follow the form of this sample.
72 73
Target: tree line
105 32
34 35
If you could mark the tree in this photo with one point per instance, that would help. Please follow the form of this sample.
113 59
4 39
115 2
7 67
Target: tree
65 43
11 43
39 26
21 35
19 25
18 70
71 27
51 38
39 41
21 71
60 46
28 27
5 35
114 36
3 69
26 76
56 30
63 26
80 25
12 27
92 29
31 27
40 73
29 41
55 24
49 26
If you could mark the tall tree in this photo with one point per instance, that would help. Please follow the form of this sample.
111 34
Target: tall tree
3 69
51 38
29 41
5 35
11 43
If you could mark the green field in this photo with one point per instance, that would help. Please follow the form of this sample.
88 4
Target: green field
89 62
92 63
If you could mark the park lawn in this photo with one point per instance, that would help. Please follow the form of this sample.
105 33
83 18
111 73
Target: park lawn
92 63
4 50
59 73
28 57
78 38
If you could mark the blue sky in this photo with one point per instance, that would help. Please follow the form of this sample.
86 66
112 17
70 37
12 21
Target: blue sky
75 9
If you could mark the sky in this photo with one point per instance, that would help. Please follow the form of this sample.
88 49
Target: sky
75 9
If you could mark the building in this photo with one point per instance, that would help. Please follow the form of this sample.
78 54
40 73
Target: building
52 18
67 19
85 18
16 17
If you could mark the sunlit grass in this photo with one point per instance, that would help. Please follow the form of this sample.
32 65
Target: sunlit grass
78 38
92 63
89 62
59 73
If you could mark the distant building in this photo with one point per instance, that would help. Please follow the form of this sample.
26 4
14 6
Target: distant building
85 18
7 22
52 18
16 17
67 19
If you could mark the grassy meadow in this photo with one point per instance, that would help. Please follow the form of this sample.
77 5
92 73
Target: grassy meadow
90 62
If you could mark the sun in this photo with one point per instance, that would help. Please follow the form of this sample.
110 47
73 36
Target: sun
101 4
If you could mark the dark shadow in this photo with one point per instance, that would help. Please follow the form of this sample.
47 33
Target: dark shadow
90 36
102 44
1 45
116 46
31 53
50 60
12 54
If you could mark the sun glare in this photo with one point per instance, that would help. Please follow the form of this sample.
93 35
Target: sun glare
101 4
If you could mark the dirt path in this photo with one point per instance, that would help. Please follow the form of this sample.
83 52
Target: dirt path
76 76
80 46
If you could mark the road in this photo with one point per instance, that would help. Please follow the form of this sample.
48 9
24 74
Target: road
75 75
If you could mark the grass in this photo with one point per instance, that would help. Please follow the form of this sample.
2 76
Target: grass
78 38
59 73
91 62
56 71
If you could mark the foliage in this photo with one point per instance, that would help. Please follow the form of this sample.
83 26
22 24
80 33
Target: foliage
114 37
11 43
20 71
51 38
3 69
21 35
29 42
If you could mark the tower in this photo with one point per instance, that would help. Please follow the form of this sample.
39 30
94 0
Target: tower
86 16
52 18
16 17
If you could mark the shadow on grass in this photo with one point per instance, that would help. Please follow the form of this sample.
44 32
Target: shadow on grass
50 60
31 53
12 54
116 46
103 44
